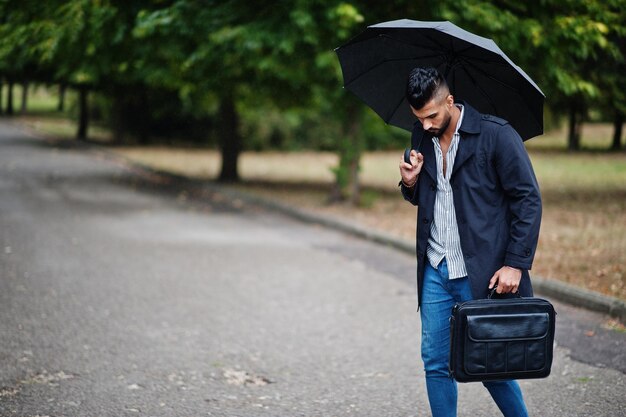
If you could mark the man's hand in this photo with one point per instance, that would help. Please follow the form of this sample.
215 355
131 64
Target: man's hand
409 172
507 278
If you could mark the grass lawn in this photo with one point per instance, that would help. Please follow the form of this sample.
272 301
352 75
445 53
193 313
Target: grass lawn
583 234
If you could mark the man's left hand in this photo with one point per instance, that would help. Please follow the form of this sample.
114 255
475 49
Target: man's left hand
507 278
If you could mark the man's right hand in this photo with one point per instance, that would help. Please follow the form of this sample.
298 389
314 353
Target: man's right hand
410 172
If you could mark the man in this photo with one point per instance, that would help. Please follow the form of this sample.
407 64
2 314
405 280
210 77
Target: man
479 210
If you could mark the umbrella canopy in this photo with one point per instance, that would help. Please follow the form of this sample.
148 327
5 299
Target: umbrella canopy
377 62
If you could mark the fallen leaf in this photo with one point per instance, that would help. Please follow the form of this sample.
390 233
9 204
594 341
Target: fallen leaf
235 377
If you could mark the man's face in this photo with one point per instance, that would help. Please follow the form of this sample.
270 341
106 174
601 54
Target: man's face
435 116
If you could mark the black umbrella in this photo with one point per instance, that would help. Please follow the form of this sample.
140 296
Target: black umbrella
377 62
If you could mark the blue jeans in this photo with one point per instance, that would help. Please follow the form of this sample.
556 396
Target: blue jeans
439 294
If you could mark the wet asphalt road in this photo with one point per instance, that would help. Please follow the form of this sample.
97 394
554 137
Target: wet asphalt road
123 293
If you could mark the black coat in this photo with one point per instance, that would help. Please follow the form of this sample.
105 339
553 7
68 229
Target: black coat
496 200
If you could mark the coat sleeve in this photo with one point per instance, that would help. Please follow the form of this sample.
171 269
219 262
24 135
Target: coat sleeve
522 191
409 194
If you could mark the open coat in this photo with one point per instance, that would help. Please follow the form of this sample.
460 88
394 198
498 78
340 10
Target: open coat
496 200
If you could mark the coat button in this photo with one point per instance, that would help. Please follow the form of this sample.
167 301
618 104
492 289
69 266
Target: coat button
432 187
527 252
425 221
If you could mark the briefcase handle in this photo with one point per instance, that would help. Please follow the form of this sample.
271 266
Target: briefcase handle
492 292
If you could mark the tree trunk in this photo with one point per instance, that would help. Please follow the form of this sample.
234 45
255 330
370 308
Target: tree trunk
83 113
25 85
10 99
575 127
61 105
230 141
118 121
618 123
1 92
144 116
347 184
354 156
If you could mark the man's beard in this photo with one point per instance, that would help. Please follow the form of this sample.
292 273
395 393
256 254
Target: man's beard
443 128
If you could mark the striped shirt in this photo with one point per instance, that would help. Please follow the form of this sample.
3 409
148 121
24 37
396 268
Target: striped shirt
444 240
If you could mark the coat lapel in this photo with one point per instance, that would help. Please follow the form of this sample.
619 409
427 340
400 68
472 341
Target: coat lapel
430 161
422 142
464 153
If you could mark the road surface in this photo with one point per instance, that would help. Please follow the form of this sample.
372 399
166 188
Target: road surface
124 293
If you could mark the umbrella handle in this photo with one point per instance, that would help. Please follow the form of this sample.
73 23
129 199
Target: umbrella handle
407 155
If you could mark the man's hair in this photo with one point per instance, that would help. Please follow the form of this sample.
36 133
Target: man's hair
423 85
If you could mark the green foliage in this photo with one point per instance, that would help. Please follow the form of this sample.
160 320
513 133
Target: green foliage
168 65
561 44
573 49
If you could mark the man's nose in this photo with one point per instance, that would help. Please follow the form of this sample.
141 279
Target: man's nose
427 124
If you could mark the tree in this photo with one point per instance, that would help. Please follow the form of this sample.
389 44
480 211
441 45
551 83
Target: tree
310 73
611 80
235 53
229 55
559 43
87 45
22 34
81 47
38 41
348 20
301 37
196 60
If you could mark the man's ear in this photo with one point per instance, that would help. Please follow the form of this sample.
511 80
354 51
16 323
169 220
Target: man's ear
450 100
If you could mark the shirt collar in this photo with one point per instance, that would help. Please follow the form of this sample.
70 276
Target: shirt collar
458 124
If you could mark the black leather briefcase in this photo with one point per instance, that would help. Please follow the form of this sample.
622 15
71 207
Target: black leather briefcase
493 339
